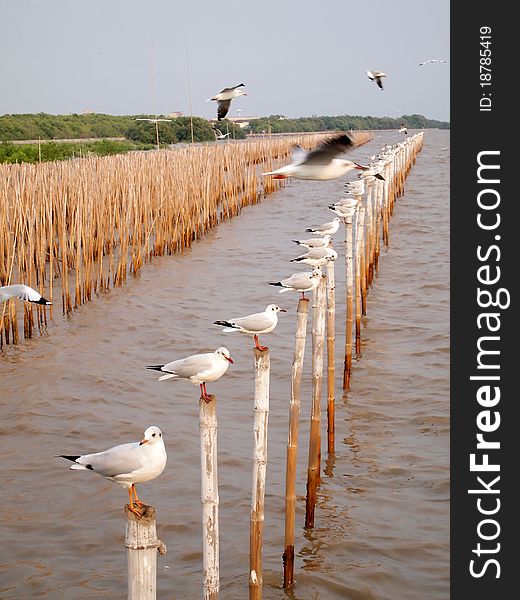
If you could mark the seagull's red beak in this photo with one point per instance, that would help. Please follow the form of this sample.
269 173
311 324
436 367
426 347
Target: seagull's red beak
229 359
143 441
283 310
357 166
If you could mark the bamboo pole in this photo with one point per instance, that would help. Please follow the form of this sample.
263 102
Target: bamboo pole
292 443
331 316
142 546
318 336
261 415
347 367
359 272
209 498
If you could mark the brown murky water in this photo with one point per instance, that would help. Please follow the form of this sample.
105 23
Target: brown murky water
382 521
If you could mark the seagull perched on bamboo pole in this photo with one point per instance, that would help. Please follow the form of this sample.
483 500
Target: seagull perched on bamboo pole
224 97
320 163
127 464
376 76
22 291
198 369
328 228
299 282
254 324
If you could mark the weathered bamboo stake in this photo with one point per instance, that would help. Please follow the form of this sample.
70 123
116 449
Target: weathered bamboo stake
331 317
359 273
142 547
209 498
261 415
318 337
292 442
347 367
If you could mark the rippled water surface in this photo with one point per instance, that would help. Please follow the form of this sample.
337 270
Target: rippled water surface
382 520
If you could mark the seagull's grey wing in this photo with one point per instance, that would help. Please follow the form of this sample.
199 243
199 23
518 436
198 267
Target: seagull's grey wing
379 82
327 151
187 367
125 458
256 322
223 108
22 291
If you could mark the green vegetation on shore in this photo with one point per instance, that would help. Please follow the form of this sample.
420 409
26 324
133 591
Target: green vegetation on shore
137 134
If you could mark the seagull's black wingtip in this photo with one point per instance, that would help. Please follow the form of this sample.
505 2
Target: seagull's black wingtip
155 367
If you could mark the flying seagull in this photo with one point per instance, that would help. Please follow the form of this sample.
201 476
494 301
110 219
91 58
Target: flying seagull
403 129
431 60
127 464
198 369
255 324
24 292
224 97
320 163
376 76
219 135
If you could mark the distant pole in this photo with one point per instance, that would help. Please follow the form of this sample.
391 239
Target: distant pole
261 415
359 274
157 134
142 546
331 316
209 497
292 443
318 336
347 366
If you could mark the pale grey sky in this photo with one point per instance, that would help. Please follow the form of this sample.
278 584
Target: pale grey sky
296 57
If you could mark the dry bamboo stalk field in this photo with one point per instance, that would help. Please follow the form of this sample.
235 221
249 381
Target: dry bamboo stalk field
73 228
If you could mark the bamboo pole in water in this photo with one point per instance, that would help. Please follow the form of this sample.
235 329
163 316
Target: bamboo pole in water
347 366
331 317
261 415
359 274
209 498
142 547
292 442
318 337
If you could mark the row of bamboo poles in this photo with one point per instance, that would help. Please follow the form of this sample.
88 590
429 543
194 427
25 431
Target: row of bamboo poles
74 228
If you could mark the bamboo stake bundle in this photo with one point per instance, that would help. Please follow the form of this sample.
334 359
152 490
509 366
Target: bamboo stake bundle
142 546
292 442
347 367
331 317
261 415
209 498
370 236
359 272
318 337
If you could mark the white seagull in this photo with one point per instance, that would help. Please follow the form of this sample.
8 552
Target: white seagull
316 257
197 368
432 60
224 97
376 76
219 135
315 242
299 282
369 171
255 324
127 464
320 163
357 187
24 292
402 129
328 228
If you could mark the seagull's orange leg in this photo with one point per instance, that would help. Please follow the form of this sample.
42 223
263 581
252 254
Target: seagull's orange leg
204 394
136 499
257 346
131 504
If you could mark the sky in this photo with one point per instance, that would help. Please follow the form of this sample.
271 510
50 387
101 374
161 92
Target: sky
297 57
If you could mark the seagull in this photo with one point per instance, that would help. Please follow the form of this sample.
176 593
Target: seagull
376 76
24 292
315 242
431 60
403 129
255 324
328 228
197 368
317 257
224 97
320 163
127 464
219 135
299 282
357 187
369 171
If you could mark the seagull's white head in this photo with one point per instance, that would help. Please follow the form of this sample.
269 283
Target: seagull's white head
152 435
224 353
274 308
316 273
